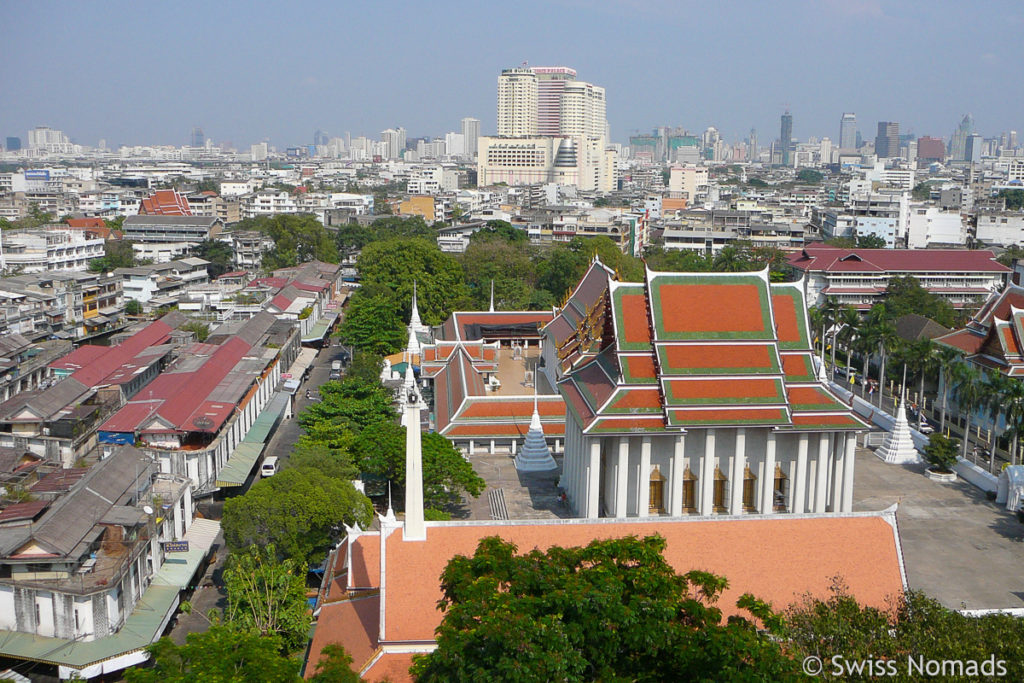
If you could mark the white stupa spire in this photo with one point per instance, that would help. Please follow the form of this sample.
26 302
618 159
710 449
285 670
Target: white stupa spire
415 324
535 456
822 371
491 309
898 446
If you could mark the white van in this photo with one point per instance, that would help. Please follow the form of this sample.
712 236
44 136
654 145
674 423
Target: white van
270 467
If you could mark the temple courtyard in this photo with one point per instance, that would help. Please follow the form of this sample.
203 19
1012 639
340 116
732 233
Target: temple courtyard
958 547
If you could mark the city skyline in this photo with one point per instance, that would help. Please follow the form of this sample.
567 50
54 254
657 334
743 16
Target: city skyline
94 79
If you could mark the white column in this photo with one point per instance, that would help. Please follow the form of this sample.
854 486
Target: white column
513 446
821 482
739 463
799 482
839 451
851 446
707 474
471 446
622 477
675 499
593 479
643 480
415 530
767 506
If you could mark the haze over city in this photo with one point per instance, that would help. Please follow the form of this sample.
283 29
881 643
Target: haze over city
280 72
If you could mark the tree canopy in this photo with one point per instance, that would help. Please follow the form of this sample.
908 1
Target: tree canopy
905 295
298 238
117 254
220 255
614 610
268 595
373 323
809 176
299 511
223 654
1014 199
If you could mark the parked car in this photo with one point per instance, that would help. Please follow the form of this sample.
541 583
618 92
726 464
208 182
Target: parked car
270 467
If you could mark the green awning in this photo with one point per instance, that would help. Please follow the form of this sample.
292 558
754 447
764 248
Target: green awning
266 420
239 464
319 329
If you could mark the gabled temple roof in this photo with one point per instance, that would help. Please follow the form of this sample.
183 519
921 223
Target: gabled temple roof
691 349
994 338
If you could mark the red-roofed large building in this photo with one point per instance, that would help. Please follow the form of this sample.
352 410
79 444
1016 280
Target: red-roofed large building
696 393
858 277
994 338
165 203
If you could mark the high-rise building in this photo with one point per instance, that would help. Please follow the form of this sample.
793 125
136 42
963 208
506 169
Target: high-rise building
1012 141
198 137
517 102
786 138
582 110
973 148
752 145
848 131
13 144
958 143
393 141
46 139
259 151
470 136
931 149
320 138
551 82
887 141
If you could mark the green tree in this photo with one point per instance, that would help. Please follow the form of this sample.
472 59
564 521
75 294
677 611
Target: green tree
842 242
351 404
335 666
379 450
200 329
446 474
393 266
940 452
1014 199
132 307
1011 254
372 324
510 265
921 192
298 510
969 395
267 595
502 230
678 260
809 176
870 242
219 254
905 295
614 610
331 462
380 203
117 254
222 654
730 260
946 359
298 238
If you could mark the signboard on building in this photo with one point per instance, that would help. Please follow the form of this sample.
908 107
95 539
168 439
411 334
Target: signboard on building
175 546
38 174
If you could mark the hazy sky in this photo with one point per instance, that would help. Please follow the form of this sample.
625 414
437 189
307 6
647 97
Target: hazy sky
146 72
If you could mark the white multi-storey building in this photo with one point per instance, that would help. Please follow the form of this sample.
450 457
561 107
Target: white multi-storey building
39 251
470 135
517 103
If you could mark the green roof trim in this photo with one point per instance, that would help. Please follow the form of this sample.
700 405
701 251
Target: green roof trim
774 368
779 398
629 378
801 317
620 317
621 395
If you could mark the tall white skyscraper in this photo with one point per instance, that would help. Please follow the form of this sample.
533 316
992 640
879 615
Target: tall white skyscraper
517 102
551 82
46 139
470 135
393 140
848 131
583 110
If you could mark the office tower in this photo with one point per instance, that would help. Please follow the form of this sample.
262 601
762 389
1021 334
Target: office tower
958 143
517 102
198 138
1012 139
887 141
393 140
13 144
931 149
46 139
752 146
786 138
848 131
454 144
551 83
320 138
470 135
973 148
259 151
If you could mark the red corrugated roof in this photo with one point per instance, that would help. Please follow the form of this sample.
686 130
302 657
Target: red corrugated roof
95 366
832 259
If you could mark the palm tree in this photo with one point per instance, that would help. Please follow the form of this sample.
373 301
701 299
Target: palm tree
730 260
968 393
993 392
883 333
849 318
946 359
918 357
1013 413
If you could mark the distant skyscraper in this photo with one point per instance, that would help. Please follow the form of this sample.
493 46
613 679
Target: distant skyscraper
517 102
958 143
46 139
931 149
13 144
198 138
973 148
786 138
1012 139
887 142
394 142
320 138
551 82
848 131
752 145
470 135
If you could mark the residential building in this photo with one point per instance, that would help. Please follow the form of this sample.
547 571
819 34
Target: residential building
160 284
248 247
165 238
23 362
930 225
1001 228
517 103
859 277
689 183
93 576
48 249
433 208
69 305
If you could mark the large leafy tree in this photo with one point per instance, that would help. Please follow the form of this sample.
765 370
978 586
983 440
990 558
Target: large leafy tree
914 626
351 403
393 266
223 654
219 254
372 324
267 595
297 238
446 473
511 266
117 254
905 295
614 610
299 510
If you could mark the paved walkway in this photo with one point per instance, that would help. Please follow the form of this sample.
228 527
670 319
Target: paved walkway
526 496
958 547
